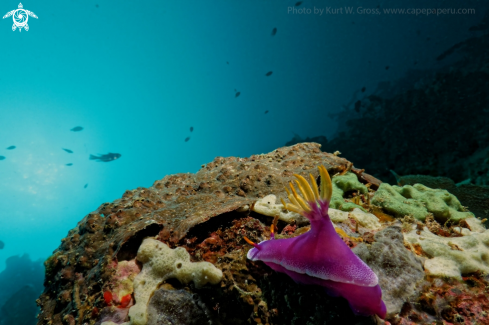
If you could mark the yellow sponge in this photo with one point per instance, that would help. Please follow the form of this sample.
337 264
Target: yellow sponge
160 263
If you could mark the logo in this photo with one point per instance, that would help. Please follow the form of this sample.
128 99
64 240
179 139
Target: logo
20 17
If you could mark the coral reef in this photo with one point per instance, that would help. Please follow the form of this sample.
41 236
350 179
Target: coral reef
90 278
20 284
408 125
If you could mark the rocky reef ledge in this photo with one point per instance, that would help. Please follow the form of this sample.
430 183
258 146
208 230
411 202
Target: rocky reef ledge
175 253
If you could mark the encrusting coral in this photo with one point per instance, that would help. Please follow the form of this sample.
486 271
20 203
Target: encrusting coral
320 256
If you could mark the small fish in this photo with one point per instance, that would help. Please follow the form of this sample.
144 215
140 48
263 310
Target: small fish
358 104
363 89
2 157
11 147
106 158
269 73
67 150
274 31
297 4
96 5
266 112
227 62
85 185
70 164
237 94
191 129
77 129
187 138
387 67
2 245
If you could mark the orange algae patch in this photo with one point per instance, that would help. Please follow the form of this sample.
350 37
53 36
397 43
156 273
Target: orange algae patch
383 217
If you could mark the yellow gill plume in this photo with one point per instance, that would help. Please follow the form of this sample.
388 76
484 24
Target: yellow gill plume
310 195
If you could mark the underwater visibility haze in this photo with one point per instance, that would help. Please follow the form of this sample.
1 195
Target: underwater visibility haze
264 150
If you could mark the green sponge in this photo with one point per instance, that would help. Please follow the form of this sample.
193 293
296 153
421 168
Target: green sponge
343 184
419 201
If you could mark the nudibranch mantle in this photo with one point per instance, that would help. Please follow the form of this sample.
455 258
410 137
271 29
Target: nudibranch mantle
320 256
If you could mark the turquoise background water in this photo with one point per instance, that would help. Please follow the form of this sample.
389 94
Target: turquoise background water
138 75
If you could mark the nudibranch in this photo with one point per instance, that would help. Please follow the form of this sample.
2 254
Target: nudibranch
320 256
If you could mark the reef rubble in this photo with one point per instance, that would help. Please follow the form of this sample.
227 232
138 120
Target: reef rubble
180 245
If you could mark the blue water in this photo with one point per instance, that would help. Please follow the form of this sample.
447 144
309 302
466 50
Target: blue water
136 76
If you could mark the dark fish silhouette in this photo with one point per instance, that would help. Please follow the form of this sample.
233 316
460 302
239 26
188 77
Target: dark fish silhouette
363 89
2 245
2 157
11 147
266 112
85 185
77 129
358 105
237 94
191 128
187 138
70 164
274 31
387 67
297 4
227 62
269 73
67 150
106 158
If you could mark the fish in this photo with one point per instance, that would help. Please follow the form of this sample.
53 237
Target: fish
67 150
70 164
2 245
191 128
274 31
266 112
11 148
363 89
106 158
358 105
237 94
227 62
297 4
85 185
187 138
77 129
269 73
387 67
2 157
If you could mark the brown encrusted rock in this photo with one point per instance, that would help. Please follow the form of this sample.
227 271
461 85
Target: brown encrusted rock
83 264
177 307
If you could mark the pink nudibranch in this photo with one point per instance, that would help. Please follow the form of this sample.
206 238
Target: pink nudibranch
320 256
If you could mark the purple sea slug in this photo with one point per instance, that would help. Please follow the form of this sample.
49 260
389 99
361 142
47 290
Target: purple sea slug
320 256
